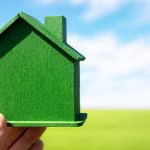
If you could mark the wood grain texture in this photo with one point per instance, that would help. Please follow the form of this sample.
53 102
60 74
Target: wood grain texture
56 25
39 80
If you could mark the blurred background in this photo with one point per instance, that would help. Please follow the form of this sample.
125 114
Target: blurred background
114 35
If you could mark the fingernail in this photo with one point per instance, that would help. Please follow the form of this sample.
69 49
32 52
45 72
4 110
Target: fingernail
1 120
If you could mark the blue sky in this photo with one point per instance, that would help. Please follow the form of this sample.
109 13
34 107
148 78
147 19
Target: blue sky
114 36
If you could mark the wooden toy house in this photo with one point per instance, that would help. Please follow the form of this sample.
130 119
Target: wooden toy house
39 73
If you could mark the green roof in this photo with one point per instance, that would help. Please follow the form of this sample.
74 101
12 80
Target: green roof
42 29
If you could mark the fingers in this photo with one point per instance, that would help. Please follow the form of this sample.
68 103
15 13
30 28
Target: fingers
19 138
13 134
28 139
3 129
37 146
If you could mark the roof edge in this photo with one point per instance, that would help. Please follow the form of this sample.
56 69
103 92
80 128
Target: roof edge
42 29
9 23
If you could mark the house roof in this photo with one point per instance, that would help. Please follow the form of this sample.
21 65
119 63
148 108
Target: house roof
42 29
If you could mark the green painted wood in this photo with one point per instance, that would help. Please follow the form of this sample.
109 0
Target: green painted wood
66 48
77 123
77 88
39 82
56 25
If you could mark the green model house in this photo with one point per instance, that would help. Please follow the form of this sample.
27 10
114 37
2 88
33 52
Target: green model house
39 73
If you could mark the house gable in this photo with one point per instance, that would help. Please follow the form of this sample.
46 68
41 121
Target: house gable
66 48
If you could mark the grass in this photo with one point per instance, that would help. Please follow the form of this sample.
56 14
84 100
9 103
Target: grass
104 130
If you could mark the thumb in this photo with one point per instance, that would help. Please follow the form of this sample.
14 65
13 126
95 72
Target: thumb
3 127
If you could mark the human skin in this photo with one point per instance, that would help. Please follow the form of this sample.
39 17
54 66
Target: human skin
20 138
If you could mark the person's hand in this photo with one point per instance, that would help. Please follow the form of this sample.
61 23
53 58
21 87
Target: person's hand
19 138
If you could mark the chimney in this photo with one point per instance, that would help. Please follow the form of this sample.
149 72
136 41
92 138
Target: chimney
56 25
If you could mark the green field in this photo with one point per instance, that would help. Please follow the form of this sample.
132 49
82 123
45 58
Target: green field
104 130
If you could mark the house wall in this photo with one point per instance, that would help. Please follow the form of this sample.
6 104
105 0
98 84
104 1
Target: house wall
36 77
77 88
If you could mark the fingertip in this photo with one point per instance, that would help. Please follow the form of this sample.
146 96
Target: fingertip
2 121
3 130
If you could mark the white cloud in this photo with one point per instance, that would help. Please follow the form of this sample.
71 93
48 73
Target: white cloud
95 9
100 8
114 74
48 2
143 12
45 2
78 2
